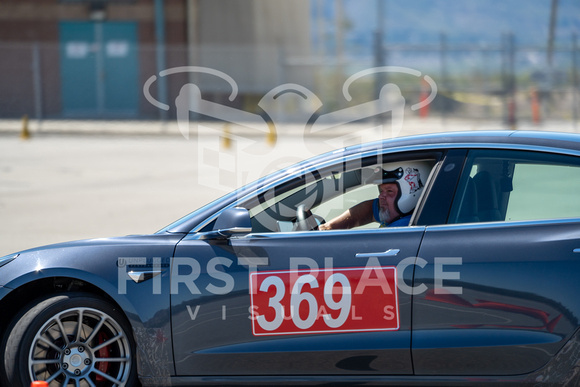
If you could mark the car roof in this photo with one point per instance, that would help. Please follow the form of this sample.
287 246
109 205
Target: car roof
543 139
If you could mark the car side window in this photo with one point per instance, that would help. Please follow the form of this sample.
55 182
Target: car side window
517 186
336 206
316 199
311 200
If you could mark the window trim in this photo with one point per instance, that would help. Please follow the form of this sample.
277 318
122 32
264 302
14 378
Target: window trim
347 163
529 156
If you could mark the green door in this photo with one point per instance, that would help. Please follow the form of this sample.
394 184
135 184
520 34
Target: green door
99 68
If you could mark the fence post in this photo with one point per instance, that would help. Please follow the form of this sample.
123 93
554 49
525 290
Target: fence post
37 82
443 86
509 79
162 94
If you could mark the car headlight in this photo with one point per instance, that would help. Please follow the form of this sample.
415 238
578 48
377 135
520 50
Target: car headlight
4 260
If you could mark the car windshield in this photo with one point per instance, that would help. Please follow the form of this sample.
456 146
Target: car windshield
208 209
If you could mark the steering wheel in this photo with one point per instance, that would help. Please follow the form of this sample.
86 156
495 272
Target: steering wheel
305 220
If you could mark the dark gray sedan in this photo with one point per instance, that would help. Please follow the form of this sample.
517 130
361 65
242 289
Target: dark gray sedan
437 259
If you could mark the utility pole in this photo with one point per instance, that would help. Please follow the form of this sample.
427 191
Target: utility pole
380 34
379 54
339 22
339 40
550 48
551 33
192 9
320 28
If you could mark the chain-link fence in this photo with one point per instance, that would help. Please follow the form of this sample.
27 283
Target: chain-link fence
504 82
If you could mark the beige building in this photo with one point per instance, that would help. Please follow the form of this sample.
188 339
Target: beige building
85 58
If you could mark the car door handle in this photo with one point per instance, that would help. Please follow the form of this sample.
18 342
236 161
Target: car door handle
577 250
388 253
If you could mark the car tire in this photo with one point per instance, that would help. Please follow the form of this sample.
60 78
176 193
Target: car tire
71 337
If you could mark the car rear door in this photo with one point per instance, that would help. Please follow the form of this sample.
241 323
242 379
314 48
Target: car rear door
497 286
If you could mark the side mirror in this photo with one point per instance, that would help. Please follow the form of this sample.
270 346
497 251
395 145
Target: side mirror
233 221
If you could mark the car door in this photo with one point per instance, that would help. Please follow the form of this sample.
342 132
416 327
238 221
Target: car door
497 286
283 302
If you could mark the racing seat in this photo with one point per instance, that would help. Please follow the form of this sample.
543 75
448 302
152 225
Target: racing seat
468 211
487 202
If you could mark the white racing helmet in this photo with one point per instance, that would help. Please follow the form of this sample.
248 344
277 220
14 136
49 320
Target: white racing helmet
410 177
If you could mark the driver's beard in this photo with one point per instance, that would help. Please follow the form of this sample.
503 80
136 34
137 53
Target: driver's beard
384 215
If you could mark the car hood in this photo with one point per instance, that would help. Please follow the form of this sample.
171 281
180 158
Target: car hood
85 258
101 242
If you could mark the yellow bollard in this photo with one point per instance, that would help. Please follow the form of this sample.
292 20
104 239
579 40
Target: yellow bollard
272 135
24 133
226 138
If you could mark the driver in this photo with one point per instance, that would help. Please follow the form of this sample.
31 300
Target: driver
400 186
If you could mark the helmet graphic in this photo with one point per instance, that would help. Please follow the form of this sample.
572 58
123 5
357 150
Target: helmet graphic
410 177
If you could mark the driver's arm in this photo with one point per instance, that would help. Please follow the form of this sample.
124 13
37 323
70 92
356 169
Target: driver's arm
355 216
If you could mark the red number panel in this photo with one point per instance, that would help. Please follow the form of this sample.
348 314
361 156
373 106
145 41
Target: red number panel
290 302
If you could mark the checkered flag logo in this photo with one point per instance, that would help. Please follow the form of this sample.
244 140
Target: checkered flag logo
223 167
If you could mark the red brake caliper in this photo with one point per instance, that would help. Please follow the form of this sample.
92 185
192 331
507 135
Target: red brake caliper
103 353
